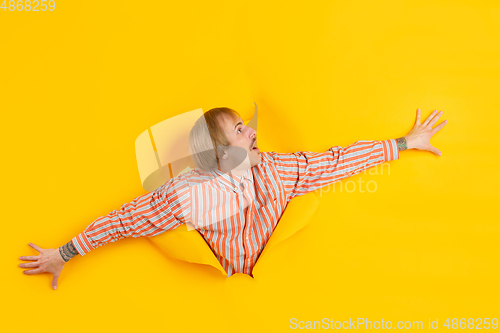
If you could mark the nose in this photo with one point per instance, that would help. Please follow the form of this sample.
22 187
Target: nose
252 133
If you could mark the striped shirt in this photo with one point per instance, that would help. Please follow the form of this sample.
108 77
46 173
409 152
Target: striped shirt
235 215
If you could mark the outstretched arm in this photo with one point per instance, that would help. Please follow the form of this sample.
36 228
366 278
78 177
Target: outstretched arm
303 172
147 215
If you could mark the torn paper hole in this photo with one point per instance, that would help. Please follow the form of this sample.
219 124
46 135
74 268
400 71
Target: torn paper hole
163 153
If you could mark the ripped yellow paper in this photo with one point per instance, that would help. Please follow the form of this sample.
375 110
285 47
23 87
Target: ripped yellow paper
162 153
189 245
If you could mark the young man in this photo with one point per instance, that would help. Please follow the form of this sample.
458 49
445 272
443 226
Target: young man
236 194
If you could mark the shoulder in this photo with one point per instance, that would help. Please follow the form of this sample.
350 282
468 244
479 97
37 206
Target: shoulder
269 157
176 186
272 160
178 183
279 159
190 178
193 178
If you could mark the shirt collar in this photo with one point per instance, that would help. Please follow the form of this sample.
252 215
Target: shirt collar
231 181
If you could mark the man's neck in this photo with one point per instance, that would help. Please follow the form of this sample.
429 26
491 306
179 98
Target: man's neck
239 171
235 172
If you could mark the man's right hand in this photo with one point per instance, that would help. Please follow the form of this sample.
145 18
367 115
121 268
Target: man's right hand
48 261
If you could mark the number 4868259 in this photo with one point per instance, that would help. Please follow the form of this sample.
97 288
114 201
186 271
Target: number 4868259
471 324
28 6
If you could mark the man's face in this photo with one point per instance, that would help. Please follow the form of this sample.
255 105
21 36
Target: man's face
242 136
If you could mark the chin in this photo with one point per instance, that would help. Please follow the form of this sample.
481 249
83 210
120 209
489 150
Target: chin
257 161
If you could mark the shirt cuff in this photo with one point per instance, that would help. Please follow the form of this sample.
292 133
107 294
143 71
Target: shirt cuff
82 244
391 151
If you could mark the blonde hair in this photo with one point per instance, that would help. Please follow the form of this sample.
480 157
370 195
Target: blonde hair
207 138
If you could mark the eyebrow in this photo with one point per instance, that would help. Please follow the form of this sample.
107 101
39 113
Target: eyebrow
238 123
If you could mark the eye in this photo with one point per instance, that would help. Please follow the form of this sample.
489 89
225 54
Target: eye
239 130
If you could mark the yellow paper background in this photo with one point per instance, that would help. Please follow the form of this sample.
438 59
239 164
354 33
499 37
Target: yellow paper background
79 84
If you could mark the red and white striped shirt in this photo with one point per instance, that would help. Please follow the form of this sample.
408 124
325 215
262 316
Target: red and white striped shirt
235 215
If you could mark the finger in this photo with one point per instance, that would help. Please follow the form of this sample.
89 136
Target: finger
429 118
439 127
36 247
33 271
417 121
434 150
29 258
435 119
54 282
29 264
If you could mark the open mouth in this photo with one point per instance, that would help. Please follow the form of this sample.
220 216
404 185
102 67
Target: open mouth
255 147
